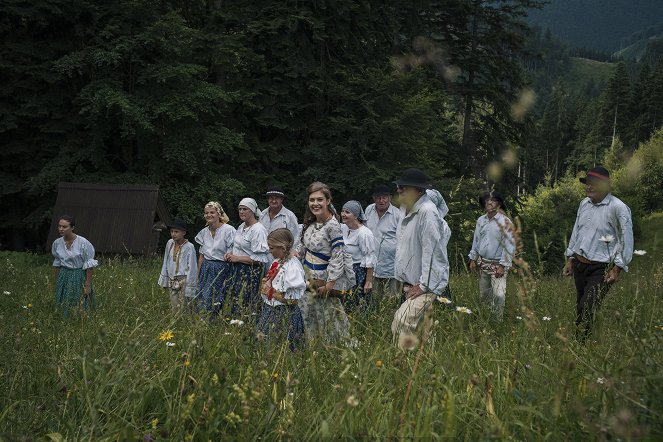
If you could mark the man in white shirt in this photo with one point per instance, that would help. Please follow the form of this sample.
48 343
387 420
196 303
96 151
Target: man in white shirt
382 218
492 252
421 262
278 216
600 247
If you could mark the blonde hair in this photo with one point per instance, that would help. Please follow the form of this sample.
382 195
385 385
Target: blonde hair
282 237
222 214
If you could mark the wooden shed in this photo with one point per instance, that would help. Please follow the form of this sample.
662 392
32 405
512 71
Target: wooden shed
116 218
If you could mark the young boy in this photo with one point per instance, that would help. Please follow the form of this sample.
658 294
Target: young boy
179 270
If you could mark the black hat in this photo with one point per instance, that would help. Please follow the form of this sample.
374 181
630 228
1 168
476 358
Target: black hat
492 194
178 224
599 174
276 191
413 178
381 189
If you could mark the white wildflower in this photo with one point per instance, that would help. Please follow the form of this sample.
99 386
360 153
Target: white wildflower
465 310
236 322
519 318
6 292
640 252
444 300
170 344
547 318
600 381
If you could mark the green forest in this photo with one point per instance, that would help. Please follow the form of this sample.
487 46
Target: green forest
218 99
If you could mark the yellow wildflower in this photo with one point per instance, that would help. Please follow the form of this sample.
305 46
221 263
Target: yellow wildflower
187 363
155 422
29 305
378 363
166 335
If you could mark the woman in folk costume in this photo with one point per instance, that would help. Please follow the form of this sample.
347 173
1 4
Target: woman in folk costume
360 243
179 271
329 266
248 258
73 264
282 288
215 240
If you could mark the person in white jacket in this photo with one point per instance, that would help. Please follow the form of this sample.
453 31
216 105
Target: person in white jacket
421 254
179 271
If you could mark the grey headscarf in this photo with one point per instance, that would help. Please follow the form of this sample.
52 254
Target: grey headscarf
251 204
355 208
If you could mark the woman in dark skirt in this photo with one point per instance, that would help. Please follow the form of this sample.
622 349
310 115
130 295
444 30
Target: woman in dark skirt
215 241
360 242
73 264
248 258
282 288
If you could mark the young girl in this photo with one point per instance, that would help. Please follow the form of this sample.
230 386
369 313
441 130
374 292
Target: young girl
360 242
215 240
283 286
179 271
73 264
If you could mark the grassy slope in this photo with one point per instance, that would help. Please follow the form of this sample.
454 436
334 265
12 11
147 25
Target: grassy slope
583 70
109 376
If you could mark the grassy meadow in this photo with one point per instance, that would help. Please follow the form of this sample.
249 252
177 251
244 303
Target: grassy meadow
109 376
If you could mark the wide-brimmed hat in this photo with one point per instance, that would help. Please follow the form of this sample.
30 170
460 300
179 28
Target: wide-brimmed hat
597 174
275 191
413 178
494 195
381 189
178 224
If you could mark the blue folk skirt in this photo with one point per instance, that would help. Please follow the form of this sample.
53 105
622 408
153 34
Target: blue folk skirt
242 289
213 275
69 292
279 322
358 300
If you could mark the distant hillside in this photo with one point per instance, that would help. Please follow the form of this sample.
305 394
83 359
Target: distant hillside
642 44
598 24
584 72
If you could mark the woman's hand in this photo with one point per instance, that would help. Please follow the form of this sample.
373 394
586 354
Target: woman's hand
368 286
87 288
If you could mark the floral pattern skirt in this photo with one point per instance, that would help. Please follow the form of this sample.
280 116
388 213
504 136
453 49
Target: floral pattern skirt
281 321
242 289
69 295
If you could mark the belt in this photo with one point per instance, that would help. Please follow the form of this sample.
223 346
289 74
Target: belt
584 260
312 266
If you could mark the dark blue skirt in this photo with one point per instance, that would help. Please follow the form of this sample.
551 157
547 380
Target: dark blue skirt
280 321
242 289
213 275
358 299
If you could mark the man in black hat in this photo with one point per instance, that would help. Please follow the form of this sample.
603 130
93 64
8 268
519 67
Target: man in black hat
421 262
600 247
383 219
492 251
278 216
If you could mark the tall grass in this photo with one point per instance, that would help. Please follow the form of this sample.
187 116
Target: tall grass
108 376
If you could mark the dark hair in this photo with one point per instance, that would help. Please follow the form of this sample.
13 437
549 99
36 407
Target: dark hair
309 218
70 219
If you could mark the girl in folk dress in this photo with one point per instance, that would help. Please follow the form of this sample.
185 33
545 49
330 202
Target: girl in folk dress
248 259
360 242
330 267
73 264
215 241
282 288
179 271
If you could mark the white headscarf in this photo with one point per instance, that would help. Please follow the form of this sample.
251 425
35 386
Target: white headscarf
438 200
251 204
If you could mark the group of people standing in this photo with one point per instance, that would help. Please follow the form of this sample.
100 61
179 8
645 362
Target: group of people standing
299 280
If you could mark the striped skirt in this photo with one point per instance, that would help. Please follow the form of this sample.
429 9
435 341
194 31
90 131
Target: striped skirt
278 322
69 292
242 289
213 275
358 300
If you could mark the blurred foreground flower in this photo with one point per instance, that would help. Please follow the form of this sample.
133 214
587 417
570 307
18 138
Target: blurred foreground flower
640 252
547 318
465 310
166 335
607 239
408 342
170 344
352 401
600 381
444 300
6 293
236 322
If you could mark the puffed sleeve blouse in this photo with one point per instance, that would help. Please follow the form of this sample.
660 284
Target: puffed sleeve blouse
79 256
